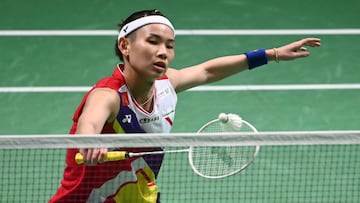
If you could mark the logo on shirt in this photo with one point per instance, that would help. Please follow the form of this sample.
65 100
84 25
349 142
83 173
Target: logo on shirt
126 119
168 111
163 92
150 119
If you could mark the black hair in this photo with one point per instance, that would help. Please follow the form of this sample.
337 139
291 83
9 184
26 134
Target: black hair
132 17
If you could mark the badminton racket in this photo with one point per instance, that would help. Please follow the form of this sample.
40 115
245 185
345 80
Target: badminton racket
207 162
223 161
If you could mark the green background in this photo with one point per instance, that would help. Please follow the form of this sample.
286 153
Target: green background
82 60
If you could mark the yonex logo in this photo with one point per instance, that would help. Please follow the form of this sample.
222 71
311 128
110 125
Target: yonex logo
126 28
127 119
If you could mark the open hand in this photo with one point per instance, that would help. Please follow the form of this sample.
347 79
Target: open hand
297 49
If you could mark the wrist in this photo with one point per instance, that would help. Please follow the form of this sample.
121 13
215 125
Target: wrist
273 55
256 58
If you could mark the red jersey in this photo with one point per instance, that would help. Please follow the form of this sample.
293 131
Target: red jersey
131 180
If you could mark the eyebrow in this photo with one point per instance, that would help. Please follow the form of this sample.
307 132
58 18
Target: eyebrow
160 37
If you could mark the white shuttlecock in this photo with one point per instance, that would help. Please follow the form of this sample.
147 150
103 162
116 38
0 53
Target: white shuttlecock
230 122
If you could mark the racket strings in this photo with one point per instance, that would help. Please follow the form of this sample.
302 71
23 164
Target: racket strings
218 161
221 161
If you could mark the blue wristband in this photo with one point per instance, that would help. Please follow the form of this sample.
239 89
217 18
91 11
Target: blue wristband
256 58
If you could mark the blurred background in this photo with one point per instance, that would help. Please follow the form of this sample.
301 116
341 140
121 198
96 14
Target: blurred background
79 61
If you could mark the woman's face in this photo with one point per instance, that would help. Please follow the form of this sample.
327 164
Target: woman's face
151 49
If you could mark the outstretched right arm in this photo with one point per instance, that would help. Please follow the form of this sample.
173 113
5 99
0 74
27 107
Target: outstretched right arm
102 105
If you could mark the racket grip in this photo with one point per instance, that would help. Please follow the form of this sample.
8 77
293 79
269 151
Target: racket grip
110 156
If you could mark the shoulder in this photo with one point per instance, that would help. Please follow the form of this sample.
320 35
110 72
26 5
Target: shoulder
104 93
110 82
106 98
172 75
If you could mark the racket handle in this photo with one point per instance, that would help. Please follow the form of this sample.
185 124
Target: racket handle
110 156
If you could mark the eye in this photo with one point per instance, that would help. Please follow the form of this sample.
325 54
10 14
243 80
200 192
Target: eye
152 41
170 44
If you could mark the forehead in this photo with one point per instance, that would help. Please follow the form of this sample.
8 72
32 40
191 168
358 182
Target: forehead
157 29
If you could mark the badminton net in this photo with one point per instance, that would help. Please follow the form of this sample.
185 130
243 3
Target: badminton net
313 166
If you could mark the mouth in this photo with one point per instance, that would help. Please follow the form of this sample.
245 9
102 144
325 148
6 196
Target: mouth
160 66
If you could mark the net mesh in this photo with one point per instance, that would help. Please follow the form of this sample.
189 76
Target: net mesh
307 170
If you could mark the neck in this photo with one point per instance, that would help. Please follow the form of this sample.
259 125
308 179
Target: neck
141 89
148 100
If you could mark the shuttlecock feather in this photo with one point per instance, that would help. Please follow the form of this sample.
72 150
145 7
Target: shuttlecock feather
230 122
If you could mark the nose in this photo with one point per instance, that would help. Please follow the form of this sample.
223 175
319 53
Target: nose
162 52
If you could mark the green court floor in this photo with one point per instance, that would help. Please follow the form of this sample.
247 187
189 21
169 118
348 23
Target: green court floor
46 61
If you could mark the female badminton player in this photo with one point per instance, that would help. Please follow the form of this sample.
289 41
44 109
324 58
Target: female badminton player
140 97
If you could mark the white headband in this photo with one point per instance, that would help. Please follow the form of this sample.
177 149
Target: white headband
133 25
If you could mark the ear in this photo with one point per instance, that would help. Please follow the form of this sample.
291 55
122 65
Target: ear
123 45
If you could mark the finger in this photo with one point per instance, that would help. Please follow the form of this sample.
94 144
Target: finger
301 54
94 156
84 153
88 155
303 49
91 157
311 42
102 155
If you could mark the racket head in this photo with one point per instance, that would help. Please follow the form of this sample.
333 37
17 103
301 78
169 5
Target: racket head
223 161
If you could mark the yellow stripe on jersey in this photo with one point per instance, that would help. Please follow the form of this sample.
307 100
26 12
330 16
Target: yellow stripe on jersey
117 127
144 190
